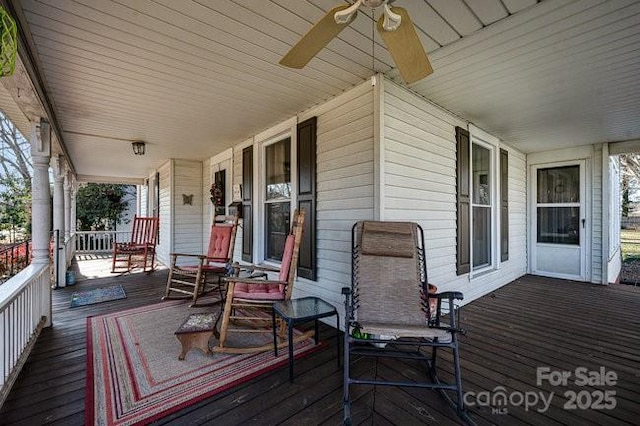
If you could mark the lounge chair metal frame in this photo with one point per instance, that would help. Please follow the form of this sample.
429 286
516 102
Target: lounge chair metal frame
430 332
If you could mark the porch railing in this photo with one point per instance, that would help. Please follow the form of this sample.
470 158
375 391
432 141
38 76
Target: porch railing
70 249
25 308
99 241
14 258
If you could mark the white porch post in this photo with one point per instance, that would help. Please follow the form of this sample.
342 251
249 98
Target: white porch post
41 203
68 183
58 193
57 163
41 199
74 192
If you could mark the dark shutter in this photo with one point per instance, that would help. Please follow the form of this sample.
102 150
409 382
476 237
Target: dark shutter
463 248
504 205
247 204
306 149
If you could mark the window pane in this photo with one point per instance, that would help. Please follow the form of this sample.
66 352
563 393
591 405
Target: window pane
559 225
277 229
559 185
481 177
481 236
278 170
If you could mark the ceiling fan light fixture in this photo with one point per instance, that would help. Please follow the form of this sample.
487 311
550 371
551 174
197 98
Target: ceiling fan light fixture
391 20
345 16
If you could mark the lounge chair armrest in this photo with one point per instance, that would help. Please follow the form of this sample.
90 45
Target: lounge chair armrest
456 295
450 329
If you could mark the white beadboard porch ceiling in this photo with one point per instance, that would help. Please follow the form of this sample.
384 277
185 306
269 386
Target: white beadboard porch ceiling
192 78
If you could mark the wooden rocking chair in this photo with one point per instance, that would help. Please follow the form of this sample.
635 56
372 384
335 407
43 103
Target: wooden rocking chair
249 301
144 235
195 280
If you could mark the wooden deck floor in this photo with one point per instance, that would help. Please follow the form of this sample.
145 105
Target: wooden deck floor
530 323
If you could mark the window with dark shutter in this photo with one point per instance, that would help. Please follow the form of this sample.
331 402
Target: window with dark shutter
463 248
504 205
247 204
306 160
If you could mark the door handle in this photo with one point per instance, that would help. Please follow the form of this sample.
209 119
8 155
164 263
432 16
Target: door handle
584 221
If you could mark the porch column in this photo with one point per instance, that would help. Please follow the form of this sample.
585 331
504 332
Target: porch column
40 142
68 183
74 192
59 170
41 200
57 164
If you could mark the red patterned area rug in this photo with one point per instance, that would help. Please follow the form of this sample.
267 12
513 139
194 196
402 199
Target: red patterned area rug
134 375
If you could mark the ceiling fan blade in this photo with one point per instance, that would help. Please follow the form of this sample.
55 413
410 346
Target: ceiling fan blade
318 37
405 48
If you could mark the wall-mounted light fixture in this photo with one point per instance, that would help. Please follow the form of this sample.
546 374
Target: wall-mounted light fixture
138 147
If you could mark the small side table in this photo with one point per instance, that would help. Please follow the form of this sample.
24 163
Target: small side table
195 332
296 311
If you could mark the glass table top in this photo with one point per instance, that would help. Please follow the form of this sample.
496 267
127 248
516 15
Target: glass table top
306 307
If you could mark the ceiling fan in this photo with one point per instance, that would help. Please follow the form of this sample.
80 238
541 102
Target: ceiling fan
395 28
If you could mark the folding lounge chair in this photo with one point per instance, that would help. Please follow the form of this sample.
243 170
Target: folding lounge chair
389 297
249 301
192 280
144 235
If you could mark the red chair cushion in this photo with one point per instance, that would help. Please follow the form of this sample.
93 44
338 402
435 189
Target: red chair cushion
265 291
286 258
258 292
219 242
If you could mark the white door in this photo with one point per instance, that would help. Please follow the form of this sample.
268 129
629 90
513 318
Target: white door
559 222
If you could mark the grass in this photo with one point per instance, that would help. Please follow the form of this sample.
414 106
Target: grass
630 239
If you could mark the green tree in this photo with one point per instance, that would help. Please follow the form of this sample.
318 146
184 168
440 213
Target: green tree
15 207
630 185
100 206
15 181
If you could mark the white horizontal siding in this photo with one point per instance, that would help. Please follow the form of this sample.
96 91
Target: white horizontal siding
419 185
144 199
345 184
345 187
165 238
188 231
597 227
207 207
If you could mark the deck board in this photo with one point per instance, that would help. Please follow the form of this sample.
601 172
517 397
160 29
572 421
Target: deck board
532 322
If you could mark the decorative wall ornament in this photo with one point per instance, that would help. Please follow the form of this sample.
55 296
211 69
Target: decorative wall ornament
217 193
187 200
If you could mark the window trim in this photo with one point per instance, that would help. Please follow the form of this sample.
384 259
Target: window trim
260 228
493 196
464 197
